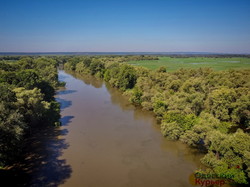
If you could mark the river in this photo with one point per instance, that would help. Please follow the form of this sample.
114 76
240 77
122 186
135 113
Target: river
106 141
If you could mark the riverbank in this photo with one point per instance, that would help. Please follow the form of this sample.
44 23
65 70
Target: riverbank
205 109
112 141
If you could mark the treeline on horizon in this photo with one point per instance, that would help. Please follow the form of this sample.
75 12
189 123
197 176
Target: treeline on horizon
27 88
208 110
63 57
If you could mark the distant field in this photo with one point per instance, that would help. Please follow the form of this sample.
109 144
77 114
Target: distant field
173 64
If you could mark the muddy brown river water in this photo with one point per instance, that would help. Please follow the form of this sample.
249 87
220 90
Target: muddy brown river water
105 141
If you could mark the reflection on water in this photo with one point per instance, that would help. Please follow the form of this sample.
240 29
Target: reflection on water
177 148
112 143
117 98
89 80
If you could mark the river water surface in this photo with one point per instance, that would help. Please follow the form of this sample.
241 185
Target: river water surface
110 143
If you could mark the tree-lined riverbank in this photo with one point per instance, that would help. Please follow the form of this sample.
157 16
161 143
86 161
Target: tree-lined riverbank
27 103
202 108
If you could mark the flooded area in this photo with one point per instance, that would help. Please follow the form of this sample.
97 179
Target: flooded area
108 142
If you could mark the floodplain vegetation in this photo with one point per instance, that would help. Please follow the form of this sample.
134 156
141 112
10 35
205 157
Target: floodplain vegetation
205 106
27 103
206 109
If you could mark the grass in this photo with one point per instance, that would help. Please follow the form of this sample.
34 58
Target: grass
173 64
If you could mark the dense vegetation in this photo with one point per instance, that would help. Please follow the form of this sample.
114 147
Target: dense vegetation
27 88
174 63
206 109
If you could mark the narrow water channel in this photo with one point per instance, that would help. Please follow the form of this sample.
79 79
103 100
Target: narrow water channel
111 143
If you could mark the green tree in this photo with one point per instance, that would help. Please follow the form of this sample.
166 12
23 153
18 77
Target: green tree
126 77
220 103
31 104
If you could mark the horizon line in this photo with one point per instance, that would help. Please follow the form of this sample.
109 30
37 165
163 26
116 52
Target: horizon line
141 52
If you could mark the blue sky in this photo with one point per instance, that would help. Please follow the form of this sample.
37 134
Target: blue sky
125 25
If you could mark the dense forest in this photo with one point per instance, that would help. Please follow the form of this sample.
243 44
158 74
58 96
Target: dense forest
206 109
27 88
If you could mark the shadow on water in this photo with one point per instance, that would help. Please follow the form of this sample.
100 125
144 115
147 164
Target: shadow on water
42 165
66 120
64 103
64 92
46 151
